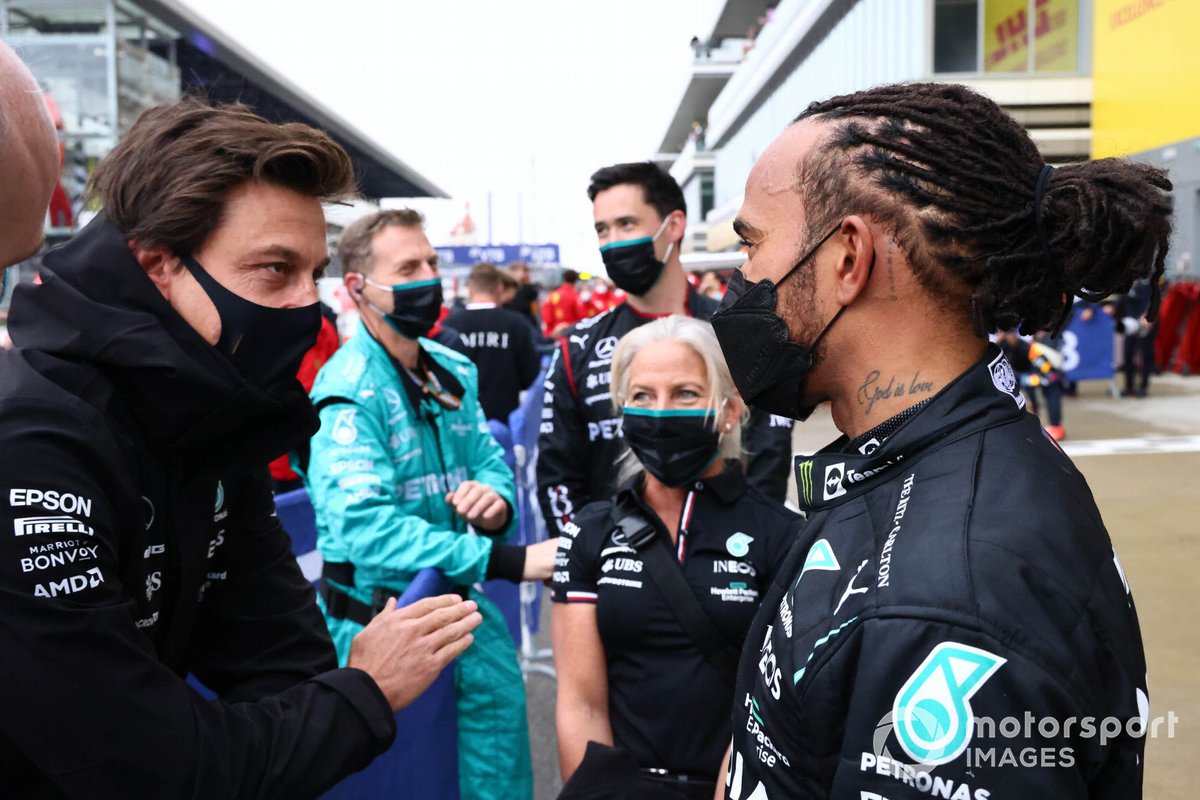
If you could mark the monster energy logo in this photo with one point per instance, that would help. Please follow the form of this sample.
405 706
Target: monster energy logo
804 478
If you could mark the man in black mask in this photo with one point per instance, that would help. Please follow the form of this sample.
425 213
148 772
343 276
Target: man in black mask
404 475
639 215
152 381
888 232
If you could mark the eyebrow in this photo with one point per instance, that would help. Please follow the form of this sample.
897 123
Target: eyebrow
285 253
684 384
621 220
745 229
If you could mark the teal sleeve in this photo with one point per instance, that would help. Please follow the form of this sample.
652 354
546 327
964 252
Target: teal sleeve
353 485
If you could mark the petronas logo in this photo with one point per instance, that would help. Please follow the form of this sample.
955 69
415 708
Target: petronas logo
804 481
932 711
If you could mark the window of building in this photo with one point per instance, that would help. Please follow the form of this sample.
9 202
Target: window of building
955 35
993 36
706 194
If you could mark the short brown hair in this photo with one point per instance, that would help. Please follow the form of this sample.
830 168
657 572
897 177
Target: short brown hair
354 247
167 180
485 279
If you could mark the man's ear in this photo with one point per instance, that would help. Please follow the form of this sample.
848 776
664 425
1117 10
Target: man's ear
856 257
678 225
160 264
353 281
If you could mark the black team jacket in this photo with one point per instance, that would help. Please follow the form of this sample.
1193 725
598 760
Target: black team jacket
138 544
953 621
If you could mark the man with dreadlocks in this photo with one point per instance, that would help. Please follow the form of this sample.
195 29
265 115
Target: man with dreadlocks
927 607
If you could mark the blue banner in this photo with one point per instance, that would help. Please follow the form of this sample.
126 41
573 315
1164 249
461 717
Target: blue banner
1088 347
469 255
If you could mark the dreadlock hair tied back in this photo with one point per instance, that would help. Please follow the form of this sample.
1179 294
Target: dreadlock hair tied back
984 224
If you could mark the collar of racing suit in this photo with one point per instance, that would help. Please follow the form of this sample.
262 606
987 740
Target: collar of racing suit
94 305
984 396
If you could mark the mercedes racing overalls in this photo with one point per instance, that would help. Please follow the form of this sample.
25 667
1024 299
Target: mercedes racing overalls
378 472
953 622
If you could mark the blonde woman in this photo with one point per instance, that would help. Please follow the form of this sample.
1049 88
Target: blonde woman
656 587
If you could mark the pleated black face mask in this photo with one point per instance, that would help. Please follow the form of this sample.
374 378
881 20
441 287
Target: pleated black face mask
675 445
769 371
265 344
416 306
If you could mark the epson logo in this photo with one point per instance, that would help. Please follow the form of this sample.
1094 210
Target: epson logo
51 501
30 526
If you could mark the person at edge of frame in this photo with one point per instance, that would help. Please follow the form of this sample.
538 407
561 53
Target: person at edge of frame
153 379
888 233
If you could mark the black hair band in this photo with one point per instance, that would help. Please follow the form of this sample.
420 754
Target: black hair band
1038 192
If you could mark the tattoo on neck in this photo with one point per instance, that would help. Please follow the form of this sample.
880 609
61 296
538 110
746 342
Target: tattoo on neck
873 389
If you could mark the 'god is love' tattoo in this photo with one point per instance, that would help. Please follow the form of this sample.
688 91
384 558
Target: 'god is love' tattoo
873 390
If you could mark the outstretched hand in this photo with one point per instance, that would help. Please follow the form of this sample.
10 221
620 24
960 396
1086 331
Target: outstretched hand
404 651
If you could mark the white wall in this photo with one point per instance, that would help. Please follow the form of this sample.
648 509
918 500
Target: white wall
877 41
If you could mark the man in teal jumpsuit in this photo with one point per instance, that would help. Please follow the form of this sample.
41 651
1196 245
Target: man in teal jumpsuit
404 475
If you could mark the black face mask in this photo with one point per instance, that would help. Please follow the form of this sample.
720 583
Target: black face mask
265 344
769 370
674 445
415 306
632 264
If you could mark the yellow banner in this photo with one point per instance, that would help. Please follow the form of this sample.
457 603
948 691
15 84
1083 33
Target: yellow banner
1146 76
1056 35
1006 35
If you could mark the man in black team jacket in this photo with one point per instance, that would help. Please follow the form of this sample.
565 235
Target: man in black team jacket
953 620
151 383
639 216
498 341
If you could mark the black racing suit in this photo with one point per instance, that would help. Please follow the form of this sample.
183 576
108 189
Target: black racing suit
580 439
138 544
957 576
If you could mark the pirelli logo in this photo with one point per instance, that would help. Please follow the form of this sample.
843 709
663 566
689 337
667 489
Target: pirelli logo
804 481
29 526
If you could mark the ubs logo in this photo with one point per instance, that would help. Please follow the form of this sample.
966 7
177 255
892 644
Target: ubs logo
835 477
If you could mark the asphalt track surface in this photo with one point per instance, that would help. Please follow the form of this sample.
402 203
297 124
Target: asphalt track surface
1141 458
